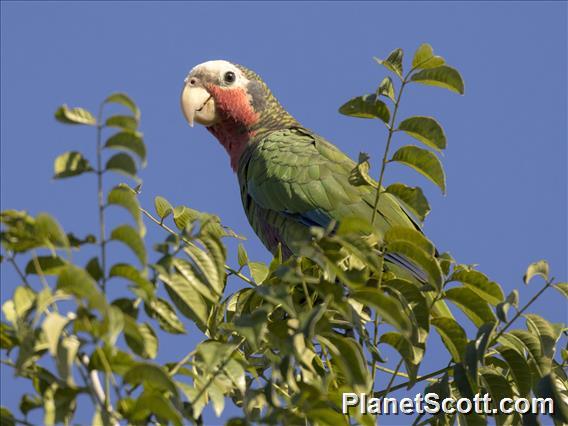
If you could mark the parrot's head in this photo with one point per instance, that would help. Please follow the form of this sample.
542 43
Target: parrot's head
233 103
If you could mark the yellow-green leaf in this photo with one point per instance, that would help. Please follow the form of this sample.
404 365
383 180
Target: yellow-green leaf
412 198
126 198
393 62
122 163
441 76
163 207
124 99
128 141
453 336
476 309
130 237
125 122
426 129
367 106
70 164
67 115
424 58
536 268
424 162
386 88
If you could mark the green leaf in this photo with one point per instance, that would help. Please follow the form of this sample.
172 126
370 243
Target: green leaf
419 257
426 129
415 300
537 268
158 404
476 309
113 324
140 338
128 236
386 88
359 176
124 197
189 271
28 403
532 342
366 106
389 308
483 339
424 58
410 235
189 301
124 99
161 310
48 229
77 282
150 374
6 417
67 115
550 386
52 327
424 162
125 122
24 299
71 163
128 141
393 62
163 207
546 333
46 265
258 271
562 288
499 389
411 355
412 198
442 76
519 369
348 355
124 164
132 274
66 353
182 217
242 255
480 284
453 336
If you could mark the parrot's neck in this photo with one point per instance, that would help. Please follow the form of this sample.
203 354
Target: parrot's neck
234 137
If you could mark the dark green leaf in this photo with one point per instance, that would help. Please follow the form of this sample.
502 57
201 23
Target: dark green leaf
499 389
424 58
426 129
412 198
442 76
453 336
393 62
424 162
69 164
537 268
550 386
545 331
419 257
348 355
6 417
124 99
410 235
519 369
411 355
67 115
46 265
367 106
122 163
128 236
163 207
128 141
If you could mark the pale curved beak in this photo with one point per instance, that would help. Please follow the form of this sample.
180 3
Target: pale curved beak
198 106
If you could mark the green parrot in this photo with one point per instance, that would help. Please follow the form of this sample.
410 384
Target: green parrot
290 178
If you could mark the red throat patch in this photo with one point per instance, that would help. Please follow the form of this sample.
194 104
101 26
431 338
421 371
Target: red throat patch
237 116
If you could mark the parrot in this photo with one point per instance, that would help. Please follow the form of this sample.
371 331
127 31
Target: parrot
290 178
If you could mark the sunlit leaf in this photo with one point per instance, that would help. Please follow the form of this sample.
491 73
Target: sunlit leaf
393 62
537 268
545 331
426 129
441 76
480 284
128 141
158 404
52 327
69 164
146 373
386 88
124 99
140 338
424 58
412 198
453 336
132 274
242 256
420 258
161 310
410 354
424 162
476 309
24 299
67 115
187 299
259 271
562 288
163 207
410 235
76 281
128 236
367 106
124 164
386 306
124 197
66 352
359 176
125 122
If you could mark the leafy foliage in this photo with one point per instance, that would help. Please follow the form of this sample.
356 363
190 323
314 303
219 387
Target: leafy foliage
297 334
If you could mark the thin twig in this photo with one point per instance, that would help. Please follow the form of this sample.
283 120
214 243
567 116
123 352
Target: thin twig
100 196
18 270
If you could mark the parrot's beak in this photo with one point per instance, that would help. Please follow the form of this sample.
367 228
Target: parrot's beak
198 105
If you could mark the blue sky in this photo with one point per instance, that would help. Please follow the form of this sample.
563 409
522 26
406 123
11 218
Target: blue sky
506 159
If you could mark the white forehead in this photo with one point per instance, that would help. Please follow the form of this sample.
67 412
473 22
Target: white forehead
218 67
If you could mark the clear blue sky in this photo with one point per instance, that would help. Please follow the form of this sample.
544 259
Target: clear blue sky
506 160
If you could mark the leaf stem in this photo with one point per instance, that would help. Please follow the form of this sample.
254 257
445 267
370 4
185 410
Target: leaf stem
100 196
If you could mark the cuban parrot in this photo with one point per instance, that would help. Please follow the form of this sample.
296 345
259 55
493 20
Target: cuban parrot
290 178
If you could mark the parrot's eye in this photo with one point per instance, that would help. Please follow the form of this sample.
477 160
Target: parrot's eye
229 77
